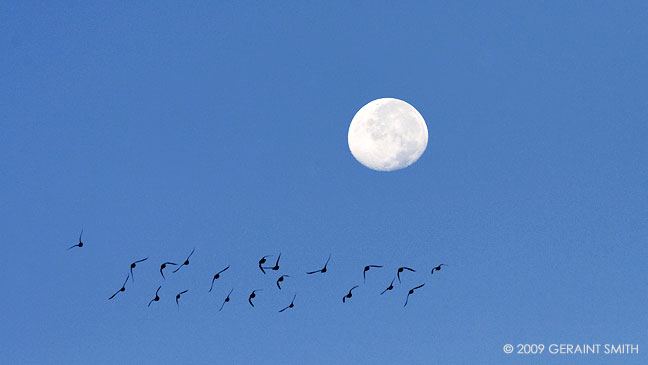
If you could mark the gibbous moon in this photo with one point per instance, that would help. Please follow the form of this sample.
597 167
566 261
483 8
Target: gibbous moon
387 134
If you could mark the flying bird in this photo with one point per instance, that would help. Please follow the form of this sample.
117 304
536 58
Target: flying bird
123 288
322 270
281 279
186 262
163 266
216 277
252 296
344 298
80 244
366 268
292 304
178 297
390 287
412 292
400 270
133 265
156 296
437 268
263 261
226 300
276 267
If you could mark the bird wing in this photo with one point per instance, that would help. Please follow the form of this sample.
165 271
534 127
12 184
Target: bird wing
71 247
162 273
261 267
158 289
353 288
176 270
112 296
278 286
125 281
398 276
212 285
327 260
250 301
284 309
277 263
344 299
407 268
420 286
150 302
228 266
364 278
375 265
313 272
383 292
184 291
170 263
406 299
80 235
142 260
192 252
222 305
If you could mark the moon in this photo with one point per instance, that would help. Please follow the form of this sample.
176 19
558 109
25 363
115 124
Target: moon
387 134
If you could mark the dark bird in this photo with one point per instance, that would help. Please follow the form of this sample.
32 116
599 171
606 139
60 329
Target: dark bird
344 298
156 296
400 270
292 304
411 292
226 300
322 270
390 287
367 269
178 297
123 288
133 266
281 279
252 296
437 268
276 267
80 244
163 266
186 262
263 261
216 277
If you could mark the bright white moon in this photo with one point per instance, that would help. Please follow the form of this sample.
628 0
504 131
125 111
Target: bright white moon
387 134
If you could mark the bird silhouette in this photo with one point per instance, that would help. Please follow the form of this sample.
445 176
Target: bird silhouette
186 262
226 300
437 268
400 270
252 296
322 270
216 277
281 279
123 288
292 304
344 298
412 292
390 287
80 244
133 265
178 297
263 261
366 268
276 267
156 296
163 266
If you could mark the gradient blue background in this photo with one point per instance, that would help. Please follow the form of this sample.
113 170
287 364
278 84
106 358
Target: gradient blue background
158 127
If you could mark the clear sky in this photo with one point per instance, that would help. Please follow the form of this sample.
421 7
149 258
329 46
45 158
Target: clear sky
165 126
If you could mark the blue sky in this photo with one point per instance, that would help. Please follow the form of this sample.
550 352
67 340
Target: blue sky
162 127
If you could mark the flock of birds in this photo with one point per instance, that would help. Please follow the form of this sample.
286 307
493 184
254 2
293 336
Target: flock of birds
263 269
